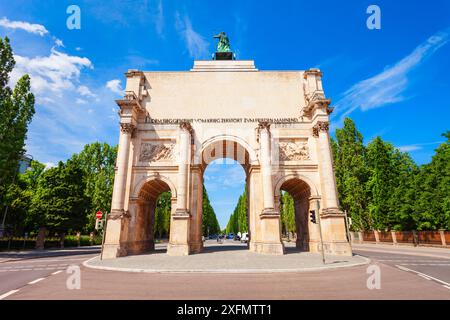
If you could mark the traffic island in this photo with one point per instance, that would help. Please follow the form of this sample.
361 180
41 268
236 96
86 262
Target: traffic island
223 258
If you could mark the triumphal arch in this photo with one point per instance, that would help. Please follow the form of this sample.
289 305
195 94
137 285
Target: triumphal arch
274 123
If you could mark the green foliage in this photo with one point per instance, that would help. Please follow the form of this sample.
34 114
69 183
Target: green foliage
287 213
59 202
162 215
432 208
383 189
18 198
97 161
210 225
351 172
16 112
238 221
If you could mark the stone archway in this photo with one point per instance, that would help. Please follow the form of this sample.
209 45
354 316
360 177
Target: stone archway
229 147
300 191
140 236
276 123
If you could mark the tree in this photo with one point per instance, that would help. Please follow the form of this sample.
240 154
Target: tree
403 195
380 183
351 173
287 212
432 209
59 202
162 215
238 221
210 225
18 198
16 112
97 161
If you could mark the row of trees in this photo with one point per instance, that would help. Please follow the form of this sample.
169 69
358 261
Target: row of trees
383 189
63 198
210 224
238 221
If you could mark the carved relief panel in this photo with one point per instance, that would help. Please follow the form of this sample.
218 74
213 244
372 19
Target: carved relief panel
293 150
160 150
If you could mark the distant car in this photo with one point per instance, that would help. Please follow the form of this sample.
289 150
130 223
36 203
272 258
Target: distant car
244 237
237 237
230 236
213 236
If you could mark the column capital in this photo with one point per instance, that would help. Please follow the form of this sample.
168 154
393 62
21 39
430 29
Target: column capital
186 126
127 128
263 125
320 126
118 214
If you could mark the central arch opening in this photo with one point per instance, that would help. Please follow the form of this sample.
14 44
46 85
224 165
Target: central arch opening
225 168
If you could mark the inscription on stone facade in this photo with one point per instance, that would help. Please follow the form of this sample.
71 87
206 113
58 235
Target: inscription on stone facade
156 151
294 150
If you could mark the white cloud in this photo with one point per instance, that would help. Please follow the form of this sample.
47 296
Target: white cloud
52 74
80 101
115 86
22 25
388 86
49 165
417 146
409 148
195 43
86 92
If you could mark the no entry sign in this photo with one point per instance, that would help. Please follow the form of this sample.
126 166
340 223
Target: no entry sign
99 214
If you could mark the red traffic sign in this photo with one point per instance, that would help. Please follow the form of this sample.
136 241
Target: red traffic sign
99 214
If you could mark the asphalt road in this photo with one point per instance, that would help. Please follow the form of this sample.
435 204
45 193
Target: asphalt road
18 272
405 274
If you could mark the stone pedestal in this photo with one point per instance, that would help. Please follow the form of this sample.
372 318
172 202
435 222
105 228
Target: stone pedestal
179 234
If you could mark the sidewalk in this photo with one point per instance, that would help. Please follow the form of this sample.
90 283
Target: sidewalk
225 258
6 256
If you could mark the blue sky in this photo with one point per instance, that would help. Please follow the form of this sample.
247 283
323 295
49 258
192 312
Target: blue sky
392 82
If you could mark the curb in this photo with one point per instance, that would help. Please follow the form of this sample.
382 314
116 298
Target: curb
233 271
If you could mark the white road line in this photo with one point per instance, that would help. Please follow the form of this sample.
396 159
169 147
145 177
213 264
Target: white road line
3 296
56 272
35 281
447 287
423 275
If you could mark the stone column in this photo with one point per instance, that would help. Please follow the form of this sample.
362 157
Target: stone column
120 180
180 222
266 168
320 131
270 218
331 217
115 226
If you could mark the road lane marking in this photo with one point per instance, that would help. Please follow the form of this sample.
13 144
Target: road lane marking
3 296
424 275
56 272
36 281
447 287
